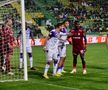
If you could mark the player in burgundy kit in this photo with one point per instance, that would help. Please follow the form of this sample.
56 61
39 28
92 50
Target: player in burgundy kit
79 45
8 45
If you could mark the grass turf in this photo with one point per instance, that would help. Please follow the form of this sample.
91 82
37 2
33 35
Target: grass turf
96 78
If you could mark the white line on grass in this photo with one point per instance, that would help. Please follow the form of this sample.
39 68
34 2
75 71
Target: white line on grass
70 88
59 86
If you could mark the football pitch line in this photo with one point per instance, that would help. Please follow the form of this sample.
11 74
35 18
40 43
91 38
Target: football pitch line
64 87
59 86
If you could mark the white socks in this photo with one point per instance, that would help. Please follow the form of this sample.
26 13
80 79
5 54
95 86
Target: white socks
46 69
31 62
21 63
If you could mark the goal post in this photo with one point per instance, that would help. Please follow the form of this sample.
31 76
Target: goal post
12 12
24 39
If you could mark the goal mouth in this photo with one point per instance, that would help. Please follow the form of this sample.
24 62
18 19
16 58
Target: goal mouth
10 24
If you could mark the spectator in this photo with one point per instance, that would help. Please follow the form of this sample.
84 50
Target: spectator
38 32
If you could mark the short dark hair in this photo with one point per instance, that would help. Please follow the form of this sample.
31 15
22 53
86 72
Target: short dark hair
65 21
57 25
76 22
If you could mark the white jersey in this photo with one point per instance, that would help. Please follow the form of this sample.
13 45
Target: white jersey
62 44
63 36
53 41
28 32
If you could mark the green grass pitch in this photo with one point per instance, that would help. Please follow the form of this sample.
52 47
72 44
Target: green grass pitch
96 78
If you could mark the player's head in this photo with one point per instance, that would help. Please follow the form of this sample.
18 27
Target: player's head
77 25
66 23
58 26
9 21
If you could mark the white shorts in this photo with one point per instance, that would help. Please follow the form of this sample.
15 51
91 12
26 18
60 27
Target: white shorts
62 51
51 55
28 49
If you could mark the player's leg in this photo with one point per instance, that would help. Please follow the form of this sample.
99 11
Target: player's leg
59 69
55 64
21 61
83 61
21 58
1 60
29 51
63 58
9 54
60 65
49 59
62 53
9 63
74 63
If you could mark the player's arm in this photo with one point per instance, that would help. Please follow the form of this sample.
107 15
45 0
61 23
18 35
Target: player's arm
62 34
17 38
44 48
69 37
47 38
85 40
31 35
13 41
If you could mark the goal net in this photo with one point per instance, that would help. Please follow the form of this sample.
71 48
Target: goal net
12 20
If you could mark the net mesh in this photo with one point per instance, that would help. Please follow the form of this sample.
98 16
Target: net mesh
10 25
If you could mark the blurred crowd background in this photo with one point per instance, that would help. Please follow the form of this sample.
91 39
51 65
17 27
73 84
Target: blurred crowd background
42 15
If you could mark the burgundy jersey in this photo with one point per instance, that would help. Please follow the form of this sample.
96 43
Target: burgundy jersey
7 39
77 40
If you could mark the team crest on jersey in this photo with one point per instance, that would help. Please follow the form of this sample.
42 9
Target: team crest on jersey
78 33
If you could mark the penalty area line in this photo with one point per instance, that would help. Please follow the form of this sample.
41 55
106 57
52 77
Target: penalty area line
59 86
64 87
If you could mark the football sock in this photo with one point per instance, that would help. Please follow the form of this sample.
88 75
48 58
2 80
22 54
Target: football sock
31 62
46 68
55 67
21 60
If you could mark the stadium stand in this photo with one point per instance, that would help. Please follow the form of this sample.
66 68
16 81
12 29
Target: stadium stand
92 14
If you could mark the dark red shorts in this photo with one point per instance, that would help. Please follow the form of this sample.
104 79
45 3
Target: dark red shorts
76 52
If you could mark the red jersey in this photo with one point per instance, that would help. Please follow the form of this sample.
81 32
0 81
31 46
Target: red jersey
7 39
77 40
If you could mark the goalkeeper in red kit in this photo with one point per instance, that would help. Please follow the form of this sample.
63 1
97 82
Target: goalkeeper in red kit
79 43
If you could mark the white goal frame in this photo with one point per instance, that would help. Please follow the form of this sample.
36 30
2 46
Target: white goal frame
24 39
25 72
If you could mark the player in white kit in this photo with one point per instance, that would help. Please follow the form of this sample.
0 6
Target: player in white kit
51 49
29 35
62 47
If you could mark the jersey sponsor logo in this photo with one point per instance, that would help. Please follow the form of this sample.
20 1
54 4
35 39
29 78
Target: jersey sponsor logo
76 37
